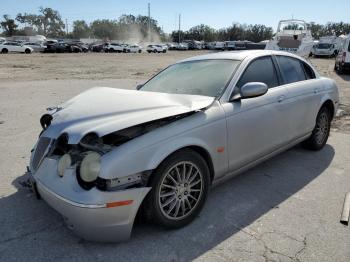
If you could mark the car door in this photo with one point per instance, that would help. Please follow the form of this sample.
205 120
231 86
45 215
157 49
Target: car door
256 126
305 91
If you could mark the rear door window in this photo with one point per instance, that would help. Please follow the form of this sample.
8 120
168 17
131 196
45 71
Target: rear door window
260 70
291 69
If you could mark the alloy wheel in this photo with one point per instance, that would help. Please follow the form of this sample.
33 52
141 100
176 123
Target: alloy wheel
322 128
180 190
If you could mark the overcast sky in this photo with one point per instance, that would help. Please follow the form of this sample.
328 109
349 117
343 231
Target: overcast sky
217 14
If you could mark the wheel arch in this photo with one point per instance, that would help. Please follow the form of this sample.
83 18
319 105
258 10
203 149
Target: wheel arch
328 103
199 150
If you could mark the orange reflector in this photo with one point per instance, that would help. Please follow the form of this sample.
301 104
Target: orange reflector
119 203
220 149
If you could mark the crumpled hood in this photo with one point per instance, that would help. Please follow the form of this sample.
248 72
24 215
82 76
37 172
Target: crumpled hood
104 110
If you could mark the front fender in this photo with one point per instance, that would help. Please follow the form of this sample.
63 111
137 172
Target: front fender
141 154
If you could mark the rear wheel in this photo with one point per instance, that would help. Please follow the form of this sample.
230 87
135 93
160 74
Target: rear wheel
320 134
4 51
27 51
179 189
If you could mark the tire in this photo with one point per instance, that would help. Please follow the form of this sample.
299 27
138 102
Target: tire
182 204
140 51
149 51
164 51
154 51
4 51
111 50
27 51
320 134
340 69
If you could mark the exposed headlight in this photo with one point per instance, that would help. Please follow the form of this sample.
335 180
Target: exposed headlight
90 167
64 162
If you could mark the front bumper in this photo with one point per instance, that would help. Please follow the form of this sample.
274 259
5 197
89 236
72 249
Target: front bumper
89 214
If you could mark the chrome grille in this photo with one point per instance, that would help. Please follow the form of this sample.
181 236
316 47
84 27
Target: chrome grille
40 151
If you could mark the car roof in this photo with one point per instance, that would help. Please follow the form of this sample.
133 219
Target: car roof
238 55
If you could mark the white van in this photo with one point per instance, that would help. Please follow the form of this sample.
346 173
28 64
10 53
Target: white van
327 46
342 61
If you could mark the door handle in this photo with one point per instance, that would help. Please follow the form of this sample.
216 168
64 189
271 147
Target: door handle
316 90
281 98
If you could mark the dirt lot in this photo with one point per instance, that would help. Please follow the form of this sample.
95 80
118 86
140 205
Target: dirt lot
286 209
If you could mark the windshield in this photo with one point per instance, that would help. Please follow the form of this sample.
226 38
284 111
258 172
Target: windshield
204 77
324 46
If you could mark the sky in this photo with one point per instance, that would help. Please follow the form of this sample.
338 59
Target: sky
217 14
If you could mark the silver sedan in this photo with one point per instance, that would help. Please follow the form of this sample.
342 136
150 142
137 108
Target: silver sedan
108 153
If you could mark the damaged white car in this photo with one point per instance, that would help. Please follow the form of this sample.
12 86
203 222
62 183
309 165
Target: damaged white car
108 153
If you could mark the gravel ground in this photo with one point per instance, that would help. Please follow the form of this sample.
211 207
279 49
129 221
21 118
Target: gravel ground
286 209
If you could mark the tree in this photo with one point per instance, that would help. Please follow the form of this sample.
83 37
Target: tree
105 29
48 22
9 26
80 29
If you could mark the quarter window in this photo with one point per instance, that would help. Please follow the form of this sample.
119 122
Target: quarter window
260 70
309 72
291 69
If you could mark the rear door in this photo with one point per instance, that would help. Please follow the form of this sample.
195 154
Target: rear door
305 92
256 126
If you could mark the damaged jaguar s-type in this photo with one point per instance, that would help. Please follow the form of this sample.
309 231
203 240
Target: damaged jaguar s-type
108 153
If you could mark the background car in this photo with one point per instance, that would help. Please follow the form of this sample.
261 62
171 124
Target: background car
134 49
156 49
98 47
37 47
55 47
182 46
114 47
15 47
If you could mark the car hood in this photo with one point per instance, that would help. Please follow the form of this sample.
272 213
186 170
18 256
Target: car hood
104 110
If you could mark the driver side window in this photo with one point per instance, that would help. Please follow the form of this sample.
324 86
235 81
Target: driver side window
260 70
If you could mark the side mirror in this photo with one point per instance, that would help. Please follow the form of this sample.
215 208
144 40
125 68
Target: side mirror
138 87
250 90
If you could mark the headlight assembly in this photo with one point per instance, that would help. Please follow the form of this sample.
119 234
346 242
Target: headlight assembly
90 167
64 162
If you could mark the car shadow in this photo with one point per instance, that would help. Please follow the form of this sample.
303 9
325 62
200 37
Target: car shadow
230 208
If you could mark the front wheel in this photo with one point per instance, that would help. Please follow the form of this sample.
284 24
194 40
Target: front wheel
179 189
4 51
27 51
320 134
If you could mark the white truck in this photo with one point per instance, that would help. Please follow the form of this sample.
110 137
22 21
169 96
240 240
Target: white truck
327 46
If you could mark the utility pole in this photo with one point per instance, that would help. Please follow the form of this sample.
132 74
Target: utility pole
149 22
67 26
179 26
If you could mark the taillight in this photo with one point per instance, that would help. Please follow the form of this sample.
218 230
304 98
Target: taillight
343 57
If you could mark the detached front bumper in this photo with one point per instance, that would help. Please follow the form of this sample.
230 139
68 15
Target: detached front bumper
92 214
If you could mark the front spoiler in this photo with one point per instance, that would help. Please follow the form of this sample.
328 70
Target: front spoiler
91 220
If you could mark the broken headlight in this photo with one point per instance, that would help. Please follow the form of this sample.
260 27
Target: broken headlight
90 167
64 163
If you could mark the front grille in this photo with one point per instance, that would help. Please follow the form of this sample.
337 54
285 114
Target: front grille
40 151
